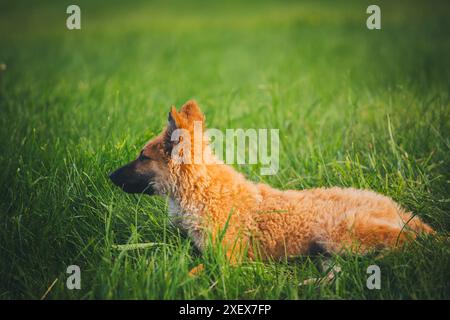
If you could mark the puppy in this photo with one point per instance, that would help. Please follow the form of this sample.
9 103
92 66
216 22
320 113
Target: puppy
213 201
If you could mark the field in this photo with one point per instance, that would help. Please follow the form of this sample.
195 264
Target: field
355 107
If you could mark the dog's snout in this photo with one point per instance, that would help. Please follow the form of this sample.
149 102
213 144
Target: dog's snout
114 177
131 181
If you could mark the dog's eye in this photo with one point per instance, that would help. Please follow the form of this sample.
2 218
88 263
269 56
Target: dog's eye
143 157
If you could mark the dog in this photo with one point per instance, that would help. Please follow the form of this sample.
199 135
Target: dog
215 202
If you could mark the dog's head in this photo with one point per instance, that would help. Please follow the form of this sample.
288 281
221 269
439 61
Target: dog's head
151 173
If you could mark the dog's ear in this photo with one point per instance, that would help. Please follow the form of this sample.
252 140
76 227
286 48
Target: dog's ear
185 119
191 112
175 121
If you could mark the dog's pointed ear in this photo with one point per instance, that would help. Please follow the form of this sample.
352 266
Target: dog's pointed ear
191 111
185 119
175 121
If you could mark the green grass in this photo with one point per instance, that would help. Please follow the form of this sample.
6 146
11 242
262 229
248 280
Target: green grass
360 108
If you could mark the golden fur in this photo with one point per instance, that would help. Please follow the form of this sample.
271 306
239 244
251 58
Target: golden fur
207 199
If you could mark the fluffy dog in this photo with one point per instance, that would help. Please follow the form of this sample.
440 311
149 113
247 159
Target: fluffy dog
246 218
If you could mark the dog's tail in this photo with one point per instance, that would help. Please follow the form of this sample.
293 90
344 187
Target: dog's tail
416 224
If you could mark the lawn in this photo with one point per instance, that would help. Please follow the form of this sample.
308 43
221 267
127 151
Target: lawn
355 107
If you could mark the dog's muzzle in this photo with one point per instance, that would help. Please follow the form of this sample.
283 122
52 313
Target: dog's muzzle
131 181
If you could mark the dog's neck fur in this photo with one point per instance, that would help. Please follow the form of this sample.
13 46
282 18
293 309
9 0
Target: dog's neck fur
187 200
195 189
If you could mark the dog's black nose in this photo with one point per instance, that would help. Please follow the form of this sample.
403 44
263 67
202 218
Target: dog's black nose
113 177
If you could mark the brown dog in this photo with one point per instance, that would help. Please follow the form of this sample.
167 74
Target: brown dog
256 219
